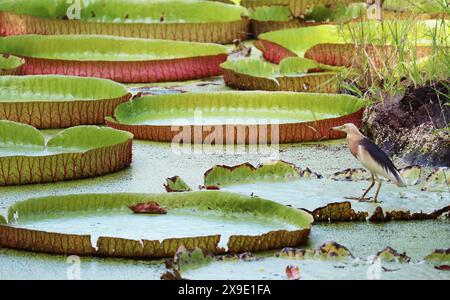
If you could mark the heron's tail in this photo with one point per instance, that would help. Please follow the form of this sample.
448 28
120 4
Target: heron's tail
398 179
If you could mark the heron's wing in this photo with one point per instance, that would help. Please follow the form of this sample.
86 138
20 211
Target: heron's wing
375 159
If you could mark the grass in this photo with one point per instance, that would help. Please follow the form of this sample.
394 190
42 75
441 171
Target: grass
386 74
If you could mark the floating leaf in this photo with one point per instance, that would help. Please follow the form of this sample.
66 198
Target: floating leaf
411 174
176 184
442 268
113 57
328 250
388 254
438 180
293 272
26 233
148 208
10 65
441 256
237 117
59 101
324 198
333 45
25 157
351 175
186 20
294 74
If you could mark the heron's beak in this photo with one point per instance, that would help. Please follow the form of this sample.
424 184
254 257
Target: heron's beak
338 128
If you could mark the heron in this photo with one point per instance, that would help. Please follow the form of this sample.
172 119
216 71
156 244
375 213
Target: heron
372 158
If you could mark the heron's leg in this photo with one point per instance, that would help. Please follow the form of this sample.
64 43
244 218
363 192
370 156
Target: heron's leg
375 199
372 183
362 198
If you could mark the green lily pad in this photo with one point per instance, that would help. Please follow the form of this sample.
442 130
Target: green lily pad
439 256
271 13
176 184
324 198
10 65
117 58
438 180
59 101
188 20
26 158
73 224
297 8
420 6
293 74
299 117
334 44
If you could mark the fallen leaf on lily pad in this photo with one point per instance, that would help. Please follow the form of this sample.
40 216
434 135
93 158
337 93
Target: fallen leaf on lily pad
443 268
148 208
293 272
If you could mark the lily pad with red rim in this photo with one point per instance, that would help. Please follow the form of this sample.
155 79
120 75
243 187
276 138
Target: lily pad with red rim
237 117
294 74
129 60
103 225
10 65
78 152
324 198
59 101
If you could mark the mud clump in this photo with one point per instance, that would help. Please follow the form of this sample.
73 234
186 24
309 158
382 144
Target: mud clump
413 126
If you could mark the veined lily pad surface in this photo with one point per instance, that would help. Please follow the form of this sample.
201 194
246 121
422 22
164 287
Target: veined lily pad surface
294 74
10 65
186 20
59 101
121 59
103 225
237 117
334 44
324 197
79 152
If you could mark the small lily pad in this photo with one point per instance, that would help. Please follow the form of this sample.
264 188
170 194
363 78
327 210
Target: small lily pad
176 184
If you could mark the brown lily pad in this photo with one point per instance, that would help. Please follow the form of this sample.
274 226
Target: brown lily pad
148 208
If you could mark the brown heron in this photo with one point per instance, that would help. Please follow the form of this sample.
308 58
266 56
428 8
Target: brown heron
372 158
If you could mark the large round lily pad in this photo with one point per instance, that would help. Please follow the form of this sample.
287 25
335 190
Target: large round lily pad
335 45
324 197
237 117
117 58
78 152
10 65
59 101
294 74
186 20
103 225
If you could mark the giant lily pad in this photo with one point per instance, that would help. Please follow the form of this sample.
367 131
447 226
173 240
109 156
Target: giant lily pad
297 7
294 74
325 197
335 45
59 101
273 18
187 20
237 117
116 58
10 65
78 152
102 224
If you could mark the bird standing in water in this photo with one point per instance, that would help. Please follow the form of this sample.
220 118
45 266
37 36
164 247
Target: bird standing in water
372 158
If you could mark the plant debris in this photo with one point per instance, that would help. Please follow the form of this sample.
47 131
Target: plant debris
292 272
148 208
176 184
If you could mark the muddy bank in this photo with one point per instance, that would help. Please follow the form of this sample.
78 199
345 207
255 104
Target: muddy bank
413 126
